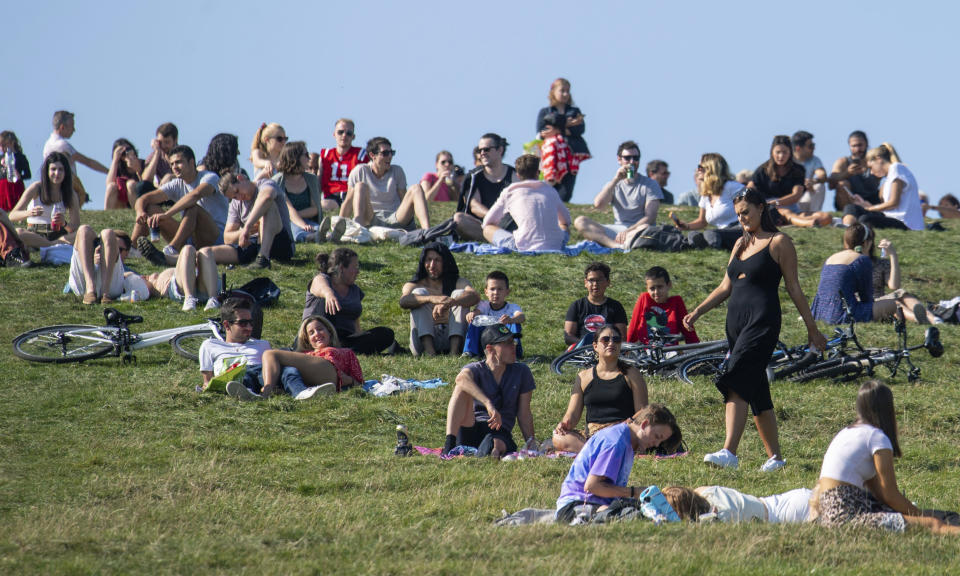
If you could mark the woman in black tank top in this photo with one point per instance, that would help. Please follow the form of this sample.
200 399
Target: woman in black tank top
611 391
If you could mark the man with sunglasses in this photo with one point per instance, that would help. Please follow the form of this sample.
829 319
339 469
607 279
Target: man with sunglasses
377 193
337 163
482 187
237 347
815 183
491 396
635 198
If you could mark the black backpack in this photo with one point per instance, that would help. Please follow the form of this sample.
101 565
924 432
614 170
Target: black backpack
260 291
660 238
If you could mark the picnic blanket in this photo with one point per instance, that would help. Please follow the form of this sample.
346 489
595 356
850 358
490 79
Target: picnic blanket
569 250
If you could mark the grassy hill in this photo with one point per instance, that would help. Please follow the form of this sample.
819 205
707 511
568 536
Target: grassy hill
106 468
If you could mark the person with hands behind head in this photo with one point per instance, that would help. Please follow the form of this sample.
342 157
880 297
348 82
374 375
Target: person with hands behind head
489 397
125 172
601 470
760 258
611 392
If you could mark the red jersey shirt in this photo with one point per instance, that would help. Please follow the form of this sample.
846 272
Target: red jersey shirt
334 169
557 160
669 315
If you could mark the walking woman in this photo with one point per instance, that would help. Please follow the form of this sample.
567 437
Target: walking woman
760 258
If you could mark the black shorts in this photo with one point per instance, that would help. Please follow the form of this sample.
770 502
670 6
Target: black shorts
474 435
281 250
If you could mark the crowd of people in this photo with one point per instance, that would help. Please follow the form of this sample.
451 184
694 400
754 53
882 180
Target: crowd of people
210 212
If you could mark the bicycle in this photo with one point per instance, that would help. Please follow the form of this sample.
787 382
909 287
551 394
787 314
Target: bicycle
78 342
800 364
660 356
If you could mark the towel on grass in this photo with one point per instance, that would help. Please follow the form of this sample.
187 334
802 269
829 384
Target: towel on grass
388 385
569 250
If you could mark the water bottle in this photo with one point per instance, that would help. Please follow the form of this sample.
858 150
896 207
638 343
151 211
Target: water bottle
134 296
883 252
155 234
403 442
11 161
483 320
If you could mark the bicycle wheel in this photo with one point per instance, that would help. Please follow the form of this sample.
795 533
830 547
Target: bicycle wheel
574 361
187 344
700 367
65 343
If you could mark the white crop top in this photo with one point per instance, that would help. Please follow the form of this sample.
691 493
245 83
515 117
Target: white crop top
849 457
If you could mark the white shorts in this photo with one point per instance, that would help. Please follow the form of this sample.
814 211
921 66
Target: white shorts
791 507
613 229
78 284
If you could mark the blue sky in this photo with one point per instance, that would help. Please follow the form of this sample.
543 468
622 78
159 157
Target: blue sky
680 78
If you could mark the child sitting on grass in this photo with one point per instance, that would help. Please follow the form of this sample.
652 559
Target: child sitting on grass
511 315
656 308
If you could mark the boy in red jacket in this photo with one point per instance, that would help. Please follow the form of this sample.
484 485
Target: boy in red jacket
656 308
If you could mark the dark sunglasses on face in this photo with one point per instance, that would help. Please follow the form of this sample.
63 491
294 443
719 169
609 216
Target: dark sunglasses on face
486 150
242 322
630 158
342 132
609 339
387 153
281 139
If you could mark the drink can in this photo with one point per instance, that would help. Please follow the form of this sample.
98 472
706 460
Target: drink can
154 234
630 173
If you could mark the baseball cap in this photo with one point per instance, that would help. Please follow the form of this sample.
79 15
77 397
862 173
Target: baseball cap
495 334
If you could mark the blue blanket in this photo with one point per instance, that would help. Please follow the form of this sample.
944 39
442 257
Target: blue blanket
569 250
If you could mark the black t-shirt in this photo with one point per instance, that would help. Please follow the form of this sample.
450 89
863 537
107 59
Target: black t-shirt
866 185
485 190
782 187
583 312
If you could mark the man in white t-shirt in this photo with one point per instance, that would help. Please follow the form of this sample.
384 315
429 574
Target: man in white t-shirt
64 126
195 195
635 201
218 356
377 193
815 184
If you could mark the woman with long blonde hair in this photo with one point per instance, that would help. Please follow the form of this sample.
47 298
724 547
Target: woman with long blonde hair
900 205
717 187
265 149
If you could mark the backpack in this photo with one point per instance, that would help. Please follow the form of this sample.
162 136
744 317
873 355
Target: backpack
660 238
261 291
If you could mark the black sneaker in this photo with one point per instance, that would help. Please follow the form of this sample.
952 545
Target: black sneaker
17 259
150 252
261 263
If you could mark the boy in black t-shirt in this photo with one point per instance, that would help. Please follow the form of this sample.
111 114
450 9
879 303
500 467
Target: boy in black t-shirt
595 309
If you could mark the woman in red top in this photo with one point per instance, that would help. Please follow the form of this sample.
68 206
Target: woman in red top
122 178
319 359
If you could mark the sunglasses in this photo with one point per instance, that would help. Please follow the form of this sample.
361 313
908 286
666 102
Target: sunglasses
344 132
701 168
387 153
242 322
630 157
446 162
281 139
609 339
485 150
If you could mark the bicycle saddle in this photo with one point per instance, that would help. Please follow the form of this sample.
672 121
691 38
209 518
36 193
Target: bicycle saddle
115 317
931 341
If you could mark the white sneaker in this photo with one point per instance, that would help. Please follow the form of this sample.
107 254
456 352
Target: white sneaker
190 303
773 463
171 251
212 304
240 392
325 389
723 459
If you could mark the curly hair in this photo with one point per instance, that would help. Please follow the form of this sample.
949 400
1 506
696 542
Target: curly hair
222 153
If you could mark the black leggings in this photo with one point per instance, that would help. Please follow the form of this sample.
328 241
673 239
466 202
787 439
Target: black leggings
873 219
372 341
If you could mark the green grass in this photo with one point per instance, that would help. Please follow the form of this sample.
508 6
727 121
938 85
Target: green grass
106 468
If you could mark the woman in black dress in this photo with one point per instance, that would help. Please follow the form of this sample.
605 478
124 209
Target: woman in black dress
759 259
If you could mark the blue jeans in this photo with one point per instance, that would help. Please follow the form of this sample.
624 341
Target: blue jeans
300 235
290 378
292 381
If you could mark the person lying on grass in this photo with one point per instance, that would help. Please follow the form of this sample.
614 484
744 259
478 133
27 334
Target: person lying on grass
238 348
600 472
319 360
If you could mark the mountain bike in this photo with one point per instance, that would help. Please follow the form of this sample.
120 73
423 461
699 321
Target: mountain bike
661 356
78 342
